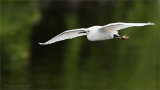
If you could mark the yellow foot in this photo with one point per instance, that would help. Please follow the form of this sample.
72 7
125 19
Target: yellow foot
124 37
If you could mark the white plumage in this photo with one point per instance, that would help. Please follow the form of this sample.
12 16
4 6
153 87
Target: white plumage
95 33
66 35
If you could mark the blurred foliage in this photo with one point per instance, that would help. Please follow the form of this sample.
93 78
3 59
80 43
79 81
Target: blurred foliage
78 63
17 19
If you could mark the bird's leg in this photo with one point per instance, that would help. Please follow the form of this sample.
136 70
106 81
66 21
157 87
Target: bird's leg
124 37
116 36
121 37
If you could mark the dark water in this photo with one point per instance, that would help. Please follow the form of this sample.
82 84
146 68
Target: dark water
78 63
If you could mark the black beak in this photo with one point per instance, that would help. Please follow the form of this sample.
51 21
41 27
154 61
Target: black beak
82 32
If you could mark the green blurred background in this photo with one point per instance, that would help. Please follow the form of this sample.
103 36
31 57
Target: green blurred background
79 63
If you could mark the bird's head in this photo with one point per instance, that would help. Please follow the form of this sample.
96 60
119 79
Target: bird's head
87 31
92 29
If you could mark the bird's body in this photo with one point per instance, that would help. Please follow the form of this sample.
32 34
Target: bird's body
96 33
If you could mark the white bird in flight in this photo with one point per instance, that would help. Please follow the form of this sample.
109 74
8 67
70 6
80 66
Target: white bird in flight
96 33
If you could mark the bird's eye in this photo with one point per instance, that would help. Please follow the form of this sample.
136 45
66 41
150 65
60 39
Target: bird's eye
88 31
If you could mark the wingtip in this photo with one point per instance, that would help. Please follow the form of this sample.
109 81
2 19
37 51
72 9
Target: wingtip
41 43
150 23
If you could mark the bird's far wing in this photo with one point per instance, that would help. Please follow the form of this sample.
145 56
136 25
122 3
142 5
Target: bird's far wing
66 35
119 26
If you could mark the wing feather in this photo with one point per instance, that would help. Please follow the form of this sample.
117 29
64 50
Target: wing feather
119 26
66 35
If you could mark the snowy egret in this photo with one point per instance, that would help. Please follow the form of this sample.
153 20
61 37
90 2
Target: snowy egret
96 33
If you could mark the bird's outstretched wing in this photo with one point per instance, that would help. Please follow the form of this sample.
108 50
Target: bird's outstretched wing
119 26
66 35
